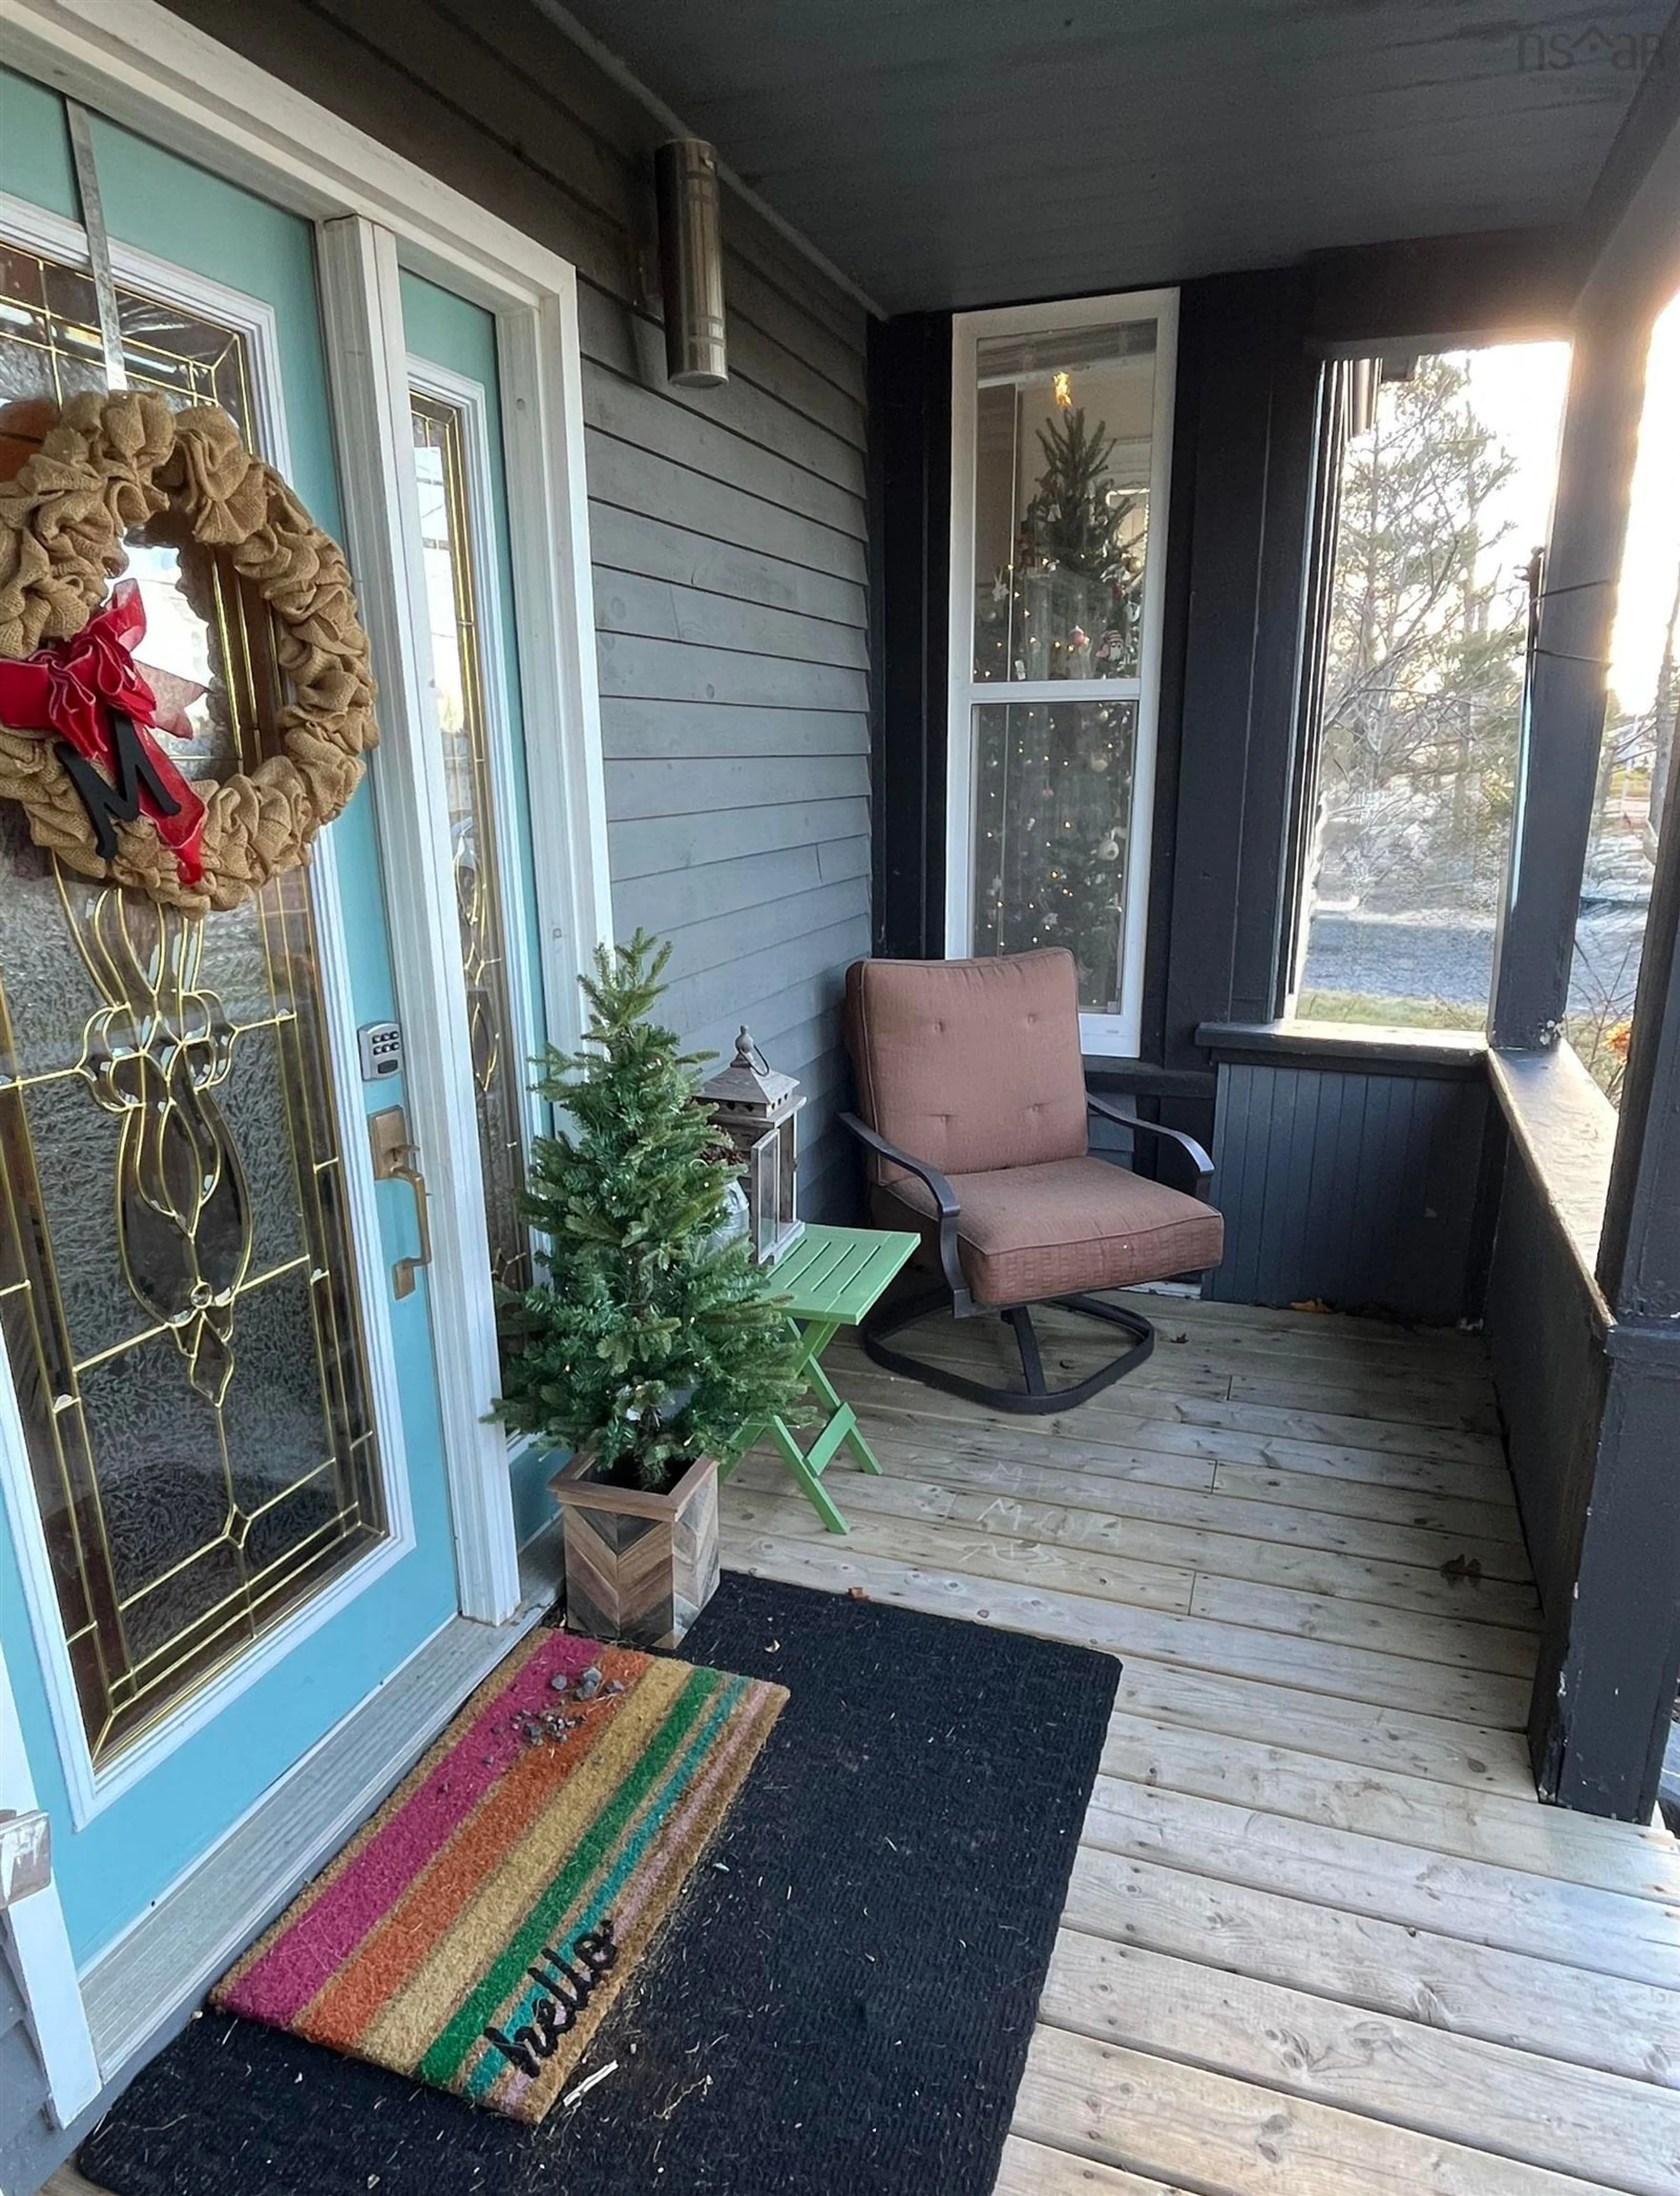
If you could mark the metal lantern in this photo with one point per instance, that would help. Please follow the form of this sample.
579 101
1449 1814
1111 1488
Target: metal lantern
754 1107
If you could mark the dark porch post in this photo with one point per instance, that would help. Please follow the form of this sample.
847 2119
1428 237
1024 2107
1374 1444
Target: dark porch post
1601 1741
1606 1689
1558 767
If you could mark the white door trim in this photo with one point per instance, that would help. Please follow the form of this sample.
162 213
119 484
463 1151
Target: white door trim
92 1789
41 1947
368 362
137 62
1101 1033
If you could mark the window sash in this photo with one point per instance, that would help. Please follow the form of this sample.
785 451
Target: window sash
1118 1033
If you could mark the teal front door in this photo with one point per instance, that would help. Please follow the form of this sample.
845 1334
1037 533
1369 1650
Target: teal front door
227 1512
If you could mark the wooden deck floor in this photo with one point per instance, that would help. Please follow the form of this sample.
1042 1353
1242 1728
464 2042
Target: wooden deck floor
1321 1938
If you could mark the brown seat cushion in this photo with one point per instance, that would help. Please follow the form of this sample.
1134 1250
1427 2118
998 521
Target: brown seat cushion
1030 1231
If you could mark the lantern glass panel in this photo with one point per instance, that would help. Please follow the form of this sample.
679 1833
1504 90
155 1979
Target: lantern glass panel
762 1190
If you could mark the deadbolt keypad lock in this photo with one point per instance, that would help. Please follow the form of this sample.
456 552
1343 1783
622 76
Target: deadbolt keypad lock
397 1159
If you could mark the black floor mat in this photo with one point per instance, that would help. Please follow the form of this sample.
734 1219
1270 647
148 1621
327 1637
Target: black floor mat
839 2007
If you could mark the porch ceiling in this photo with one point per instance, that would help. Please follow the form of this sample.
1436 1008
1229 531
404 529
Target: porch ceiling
974 152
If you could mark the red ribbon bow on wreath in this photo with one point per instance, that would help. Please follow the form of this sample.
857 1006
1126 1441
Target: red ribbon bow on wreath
76 687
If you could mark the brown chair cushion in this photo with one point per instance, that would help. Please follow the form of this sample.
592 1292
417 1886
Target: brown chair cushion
1031 1232
971 1064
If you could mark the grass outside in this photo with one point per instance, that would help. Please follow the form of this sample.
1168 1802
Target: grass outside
1602 1048
1389 1014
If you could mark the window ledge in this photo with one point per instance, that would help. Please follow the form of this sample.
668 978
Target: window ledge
1348 1044
1566 1129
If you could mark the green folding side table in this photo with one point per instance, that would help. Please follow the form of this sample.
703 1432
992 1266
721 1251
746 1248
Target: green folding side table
831 1278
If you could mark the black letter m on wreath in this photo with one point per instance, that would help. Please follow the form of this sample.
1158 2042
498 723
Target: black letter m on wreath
109 805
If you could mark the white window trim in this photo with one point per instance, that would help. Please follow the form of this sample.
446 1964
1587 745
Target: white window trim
92 1789
1110 1034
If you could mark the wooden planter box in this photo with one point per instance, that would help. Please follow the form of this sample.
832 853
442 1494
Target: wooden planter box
640 1567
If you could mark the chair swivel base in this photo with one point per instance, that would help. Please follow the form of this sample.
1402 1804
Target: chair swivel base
1036 1398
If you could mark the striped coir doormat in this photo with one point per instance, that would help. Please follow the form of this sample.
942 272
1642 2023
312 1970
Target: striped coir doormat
475 1931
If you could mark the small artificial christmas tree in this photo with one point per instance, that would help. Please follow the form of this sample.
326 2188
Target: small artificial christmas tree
651 1336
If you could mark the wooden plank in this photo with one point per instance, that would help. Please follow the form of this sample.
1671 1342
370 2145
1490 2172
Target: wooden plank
763 1509
629 541
1307 1329
774 343
1310 1482
1321 1549
1160 1530
1471 1757
1225 2137
1360 1402
1128 1406
1470 1502
629 344
671 671
995 1593
1571 2119
715 943
637 731
662 844
1300 1338
1563 2012
621 472
1456 1641
1278 1611
1511 1833
1028 2168
1571 1924
658 610
613 406
701 785
1457 1403
719 889
731 989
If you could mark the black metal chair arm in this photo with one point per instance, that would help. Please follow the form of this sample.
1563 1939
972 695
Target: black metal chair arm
944 1201
1187 1144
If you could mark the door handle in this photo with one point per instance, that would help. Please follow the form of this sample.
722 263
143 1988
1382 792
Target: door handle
397 1159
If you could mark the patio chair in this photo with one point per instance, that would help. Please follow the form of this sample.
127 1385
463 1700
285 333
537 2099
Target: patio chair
975 1123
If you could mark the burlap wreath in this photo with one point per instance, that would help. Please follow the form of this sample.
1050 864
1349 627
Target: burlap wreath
110 464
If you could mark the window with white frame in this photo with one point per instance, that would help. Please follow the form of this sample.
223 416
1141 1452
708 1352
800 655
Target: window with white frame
1061 435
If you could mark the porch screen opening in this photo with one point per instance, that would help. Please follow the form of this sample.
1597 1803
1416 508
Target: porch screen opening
1443 495
1064 420
1638 767
177 1290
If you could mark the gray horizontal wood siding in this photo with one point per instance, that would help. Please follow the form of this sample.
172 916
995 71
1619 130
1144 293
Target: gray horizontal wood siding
729 526
1360 1189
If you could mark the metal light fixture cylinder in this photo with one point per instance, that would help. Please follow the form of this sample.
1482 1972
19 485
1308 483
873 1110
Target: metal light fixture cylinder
691 262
